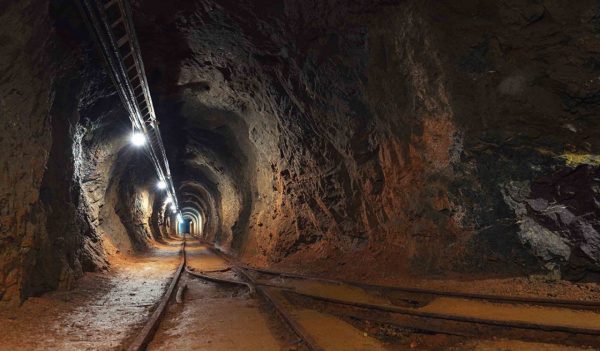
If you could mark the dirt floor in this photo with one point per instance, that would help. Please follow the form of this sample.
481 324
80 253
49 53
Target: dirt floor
106 309
218 317
100 313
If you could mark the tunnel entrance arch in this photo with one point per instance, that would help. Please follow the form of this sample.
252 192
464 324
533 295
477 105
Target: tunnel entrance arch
195 218
184 226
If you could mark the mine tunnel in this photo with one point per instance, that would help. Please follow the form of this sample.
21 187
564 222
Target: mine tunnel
299 175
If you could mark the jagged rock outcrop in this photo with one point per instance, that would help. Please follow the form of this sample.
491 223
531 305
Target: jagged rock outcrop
391 132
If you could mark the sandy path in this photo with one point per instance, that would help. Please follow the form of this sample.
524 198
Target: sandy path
101 313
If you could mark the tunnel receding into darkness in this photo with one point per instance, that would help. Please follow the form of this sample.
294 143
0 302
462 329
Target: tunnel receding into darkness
402 143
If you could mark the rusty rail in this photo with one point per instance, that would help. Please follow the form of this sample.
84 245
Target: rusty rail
275 302
573 304
386 314
145 335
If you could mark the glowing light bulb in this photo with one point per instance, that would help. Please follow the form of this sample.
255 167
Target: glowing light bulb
138 139
168 200
161 185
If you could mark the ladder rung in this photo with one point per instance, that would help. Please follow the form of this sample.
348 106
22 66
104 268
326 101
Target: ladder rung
124 40
129 61
132 74
136 82
117 22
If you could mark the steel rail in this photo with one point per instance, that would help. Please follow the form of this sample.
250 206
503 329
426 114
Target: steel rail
278 305
529 300
143 338
271 298
112 24
450 324
397 310
435 315
209 278
453 317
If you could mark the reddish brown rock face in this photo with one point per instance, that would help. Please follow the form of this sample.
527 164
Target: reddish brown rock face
392 129
385 137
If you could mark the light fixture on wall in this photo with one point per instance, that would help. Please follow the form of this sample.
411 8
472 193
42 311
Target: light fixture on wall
138 139
161 184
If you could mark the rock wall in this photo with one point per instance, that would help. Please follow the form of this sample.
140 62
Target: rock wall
409 136
24 118
64 156
46 241
135 205
522 87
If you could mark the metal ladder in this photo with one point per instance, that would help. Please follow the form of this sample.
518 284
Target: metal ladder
112 24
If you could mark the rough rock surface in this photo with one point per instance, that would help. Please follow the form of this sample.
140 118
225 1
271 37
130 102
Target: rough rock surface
24 116
46 241
421 137
63 137
411 134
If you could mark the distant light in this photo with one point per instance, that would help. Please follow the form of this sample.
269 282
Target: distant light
161 185
138 139
173 208
168 200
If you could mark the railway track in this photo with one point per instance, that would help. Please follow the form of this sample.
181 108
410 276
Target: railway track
140 342
274 288
146 334
410 317
538 301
